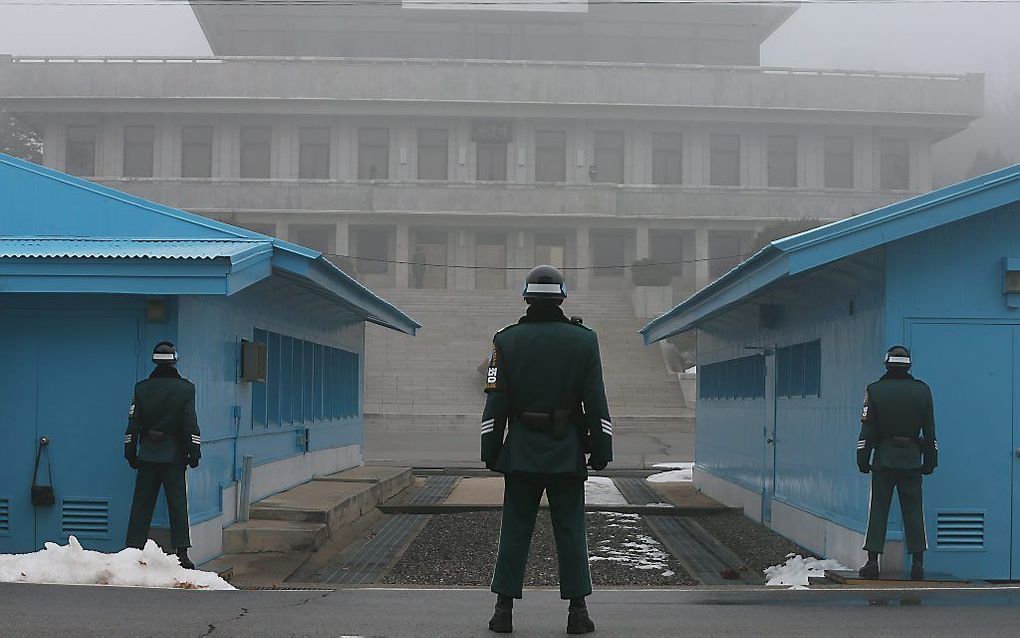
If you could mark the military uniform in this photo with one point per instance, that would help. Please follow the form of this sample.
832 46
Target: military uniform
541 373
898 424
162 438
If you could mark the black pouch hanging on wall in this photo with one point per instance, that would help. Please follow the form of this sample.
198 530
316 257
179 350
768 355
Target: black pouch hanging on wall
42 494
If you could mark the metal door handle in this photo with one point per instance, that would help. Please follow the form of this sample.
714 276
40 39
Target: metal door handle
773 441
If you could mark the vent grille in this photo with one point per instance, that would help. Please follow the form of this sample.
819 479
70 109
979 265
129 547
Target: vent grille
960 530
89 518
5 515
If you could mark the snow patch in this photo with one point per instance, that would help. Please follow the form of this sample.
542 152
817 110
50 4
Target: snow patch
601 490
72 564
797 569
683 474
638 550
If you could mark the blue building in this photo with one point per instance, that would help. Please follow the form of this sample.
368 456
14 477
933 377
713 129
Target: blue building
90 279
788 340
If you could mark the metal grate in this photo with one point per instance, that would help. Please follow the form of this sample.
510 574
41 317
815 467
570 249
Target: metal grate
86 517
5 515
960 530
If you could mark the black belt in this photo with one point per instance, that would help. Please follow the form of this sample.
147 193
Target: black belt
157 436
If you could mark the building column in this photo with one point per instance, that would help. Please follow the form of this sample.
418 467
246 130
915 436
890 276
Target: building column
643 248
583 259
283 230
701 266
402 253
343 236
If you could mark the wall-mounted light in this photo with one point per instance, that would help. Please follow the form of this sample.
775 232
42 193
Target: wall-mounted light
1011 281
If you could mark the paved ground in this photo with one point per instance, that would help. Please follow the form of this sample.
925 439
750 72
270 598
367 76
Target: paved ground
40 610
459 448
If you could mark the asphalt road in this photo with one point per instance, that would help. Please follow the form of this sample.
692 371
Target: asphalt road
45 610
459 448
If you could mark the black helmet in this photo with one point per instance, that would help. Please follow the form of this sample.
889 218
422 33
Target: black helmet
897 358
544 282
165 353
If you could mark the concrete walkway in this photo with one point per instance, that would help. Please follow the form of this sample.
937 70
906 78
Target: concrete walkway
53 610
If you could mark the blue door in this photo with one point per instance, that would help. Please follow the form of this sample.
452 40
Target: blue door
17 425
69 379
969 499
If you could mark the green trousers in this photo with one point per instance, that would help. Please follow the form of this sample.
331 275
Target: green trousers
907 484
147 483
522 494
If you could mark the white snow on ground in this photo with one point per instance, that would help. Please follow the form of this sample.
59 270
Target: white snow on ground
638 550
601 490
73 565
676 473
796 570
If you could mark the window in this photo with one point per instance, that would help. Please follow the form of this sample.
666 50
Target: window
80 156
255 152
490 162
550 156
724 160
373 153
782 161
742 378
724 253
667 158
373 249
609 157
895 164
798 370
433 153
839 162
306 382
608 254
313 152
667 247
196 151
138 150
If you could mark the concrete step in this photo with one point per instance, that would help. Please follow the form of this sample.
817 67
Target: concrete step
305 516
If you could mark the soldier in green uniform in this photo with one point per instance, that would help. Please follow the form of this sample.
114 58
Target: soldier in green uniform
898 423
162 438
544 392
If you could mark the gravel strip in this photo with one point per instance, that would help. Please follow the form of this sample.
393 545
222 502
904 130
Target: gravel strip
756 544
460 549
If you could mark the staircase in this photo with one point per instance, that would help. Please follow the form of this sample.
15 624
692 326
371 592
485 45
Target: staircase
433 380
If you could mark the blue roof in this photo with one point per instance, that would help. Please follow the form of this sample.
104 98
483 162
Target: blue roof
51 219
798 254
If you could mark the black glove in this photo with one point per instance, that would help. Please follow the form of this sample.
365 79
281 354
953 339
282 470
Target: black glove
596 464
133 462
192 462
864 467
927 469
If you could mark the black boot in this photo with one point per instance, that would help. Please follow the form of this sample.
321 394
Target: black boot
182 556
917 566
578 621
870 569
502 621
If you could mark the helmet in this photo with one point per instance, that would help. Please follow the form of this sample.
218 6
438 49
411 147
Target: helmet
544 282
165 353
898 358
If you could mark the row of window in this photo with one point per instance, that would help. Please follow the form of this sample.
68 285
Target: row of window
491 158
305 382
798 374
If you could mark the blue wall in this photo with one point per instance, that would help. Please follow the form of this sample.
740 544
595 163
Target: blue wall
815 436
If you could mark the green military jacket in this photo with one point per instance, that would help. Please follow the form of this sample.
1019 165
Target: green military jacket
539 365
898 423
162 424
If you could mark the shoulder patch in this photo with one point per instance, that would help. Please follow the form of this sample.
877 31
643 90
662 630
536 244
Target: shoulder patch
505 328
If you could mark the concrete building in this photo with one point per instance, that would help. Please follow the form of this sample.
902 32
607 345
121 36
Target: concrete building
789 339
586 136
90 279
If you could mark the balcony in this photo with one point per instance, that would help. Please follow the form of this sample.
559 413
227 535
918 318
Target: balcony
317 85
481 199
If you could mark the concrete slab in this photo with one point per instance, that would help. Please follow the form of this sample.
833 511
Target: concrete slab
894 579
265 568
370 474
480 491
332 503
273 536
684 495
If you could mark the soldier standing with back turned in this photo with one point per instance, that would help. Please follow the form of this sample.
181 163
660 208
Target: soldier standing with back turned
898 423
162 438
544 389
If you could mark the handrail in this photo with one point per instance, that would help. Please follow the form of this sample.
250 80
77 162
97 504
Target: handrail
749 70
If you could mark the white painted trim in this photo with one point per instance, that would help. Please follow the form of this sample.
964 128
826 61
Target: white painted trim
268 479
728 493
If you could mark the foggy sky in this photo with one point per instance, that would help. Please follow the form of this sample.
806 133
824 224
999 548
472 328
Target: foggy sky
931 37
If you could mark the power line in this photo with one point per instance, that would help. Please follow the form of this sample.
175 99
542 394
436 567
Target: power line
506 268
